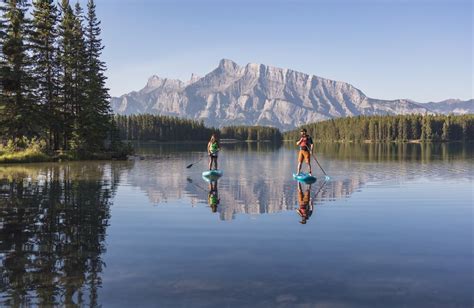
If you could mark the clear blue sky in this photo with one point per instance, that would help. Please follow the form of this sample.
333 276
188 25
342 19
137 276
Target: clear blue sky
417 49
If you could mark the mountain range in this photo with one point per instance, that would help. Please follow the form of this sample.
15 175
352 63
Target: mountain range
258 94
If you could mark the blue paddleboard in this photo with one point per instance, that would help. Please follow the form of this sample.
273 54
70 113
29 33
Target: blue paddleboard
304 177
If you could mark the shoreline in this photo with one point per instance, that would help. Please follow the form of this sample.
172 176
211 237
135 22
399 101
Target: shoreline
194 141
26 157
383 141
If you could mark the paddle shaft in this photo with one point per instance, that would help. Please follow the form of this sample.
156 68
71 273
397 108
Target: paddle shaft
314 156
189 166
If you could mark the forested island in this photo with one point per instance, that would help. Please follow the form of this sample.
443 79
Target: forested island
399 128
148 127
53 100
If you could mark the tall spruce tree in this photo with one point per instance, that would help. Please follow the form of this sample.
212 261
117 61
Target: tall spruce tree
2 64
72 77
426 130
46 71
79 138
66 72
18 110
97 97
447 130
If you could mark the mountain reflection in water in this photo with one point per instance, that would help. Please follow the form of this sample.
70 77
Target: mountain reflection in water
258 180
54 216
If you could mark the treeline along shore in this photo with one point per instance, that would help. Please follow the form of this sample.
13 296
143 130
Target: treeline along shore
148 127
53 99
400 128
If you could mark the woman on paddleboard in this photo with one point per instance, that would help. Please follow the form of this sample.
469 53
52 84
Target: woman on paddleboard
306 150
212 149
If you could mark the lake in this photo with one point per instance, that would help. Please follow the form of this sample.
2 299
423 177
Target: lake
393 227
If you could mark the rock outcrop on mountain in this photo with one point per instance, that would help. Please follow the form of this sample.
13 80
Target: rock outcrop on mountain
258 94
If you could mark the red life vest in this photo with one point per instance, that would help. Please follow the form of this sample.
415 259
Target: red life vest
305 145
304 142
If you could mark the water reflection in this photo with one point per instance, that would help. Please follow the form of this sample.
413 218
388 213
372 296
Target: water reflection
306 199
420 152
258 182
305 202
213 196
149 149
52 232
54 219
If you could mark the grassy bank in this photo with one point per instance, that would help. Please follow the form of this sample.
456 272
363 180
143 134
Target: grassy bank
29 156
32 151
24 156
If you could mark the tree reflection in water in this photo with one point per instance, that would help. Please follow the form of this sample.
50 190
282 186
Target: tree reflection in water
53 225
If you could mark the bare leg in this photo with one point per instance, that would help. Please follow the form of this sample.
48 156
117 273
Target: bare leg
215 162
299 168
210 162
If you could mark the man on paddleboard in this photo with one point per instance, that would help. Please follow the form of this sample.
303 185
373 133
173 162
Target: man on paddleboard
306 150
212 149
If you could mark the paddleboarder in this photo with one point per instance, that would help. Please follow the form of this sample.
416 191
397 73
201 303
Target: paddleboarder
306 150
212 150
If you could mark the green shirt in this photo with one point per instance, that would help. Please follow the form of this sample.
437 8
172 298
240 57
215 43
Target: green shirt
214 147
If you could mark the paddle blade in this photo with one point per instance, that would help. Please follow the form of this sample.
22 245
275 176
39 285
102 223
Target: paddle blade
189 166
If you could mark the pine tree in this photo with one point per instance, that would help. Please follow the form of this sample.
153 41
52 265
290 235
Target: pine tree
97 97
46 69
372 129
2 66
426 130
81 110
66 73
415 127
403 129
447 129
18 110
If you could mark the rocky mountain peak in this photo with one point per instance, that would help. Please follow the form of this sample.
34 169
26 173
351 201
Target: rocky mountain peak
228 66
257 94
158 82
153 81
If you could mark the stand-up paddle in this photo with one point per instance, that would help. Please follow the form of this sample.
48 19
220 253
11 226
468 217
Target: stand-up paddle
327 176
190 165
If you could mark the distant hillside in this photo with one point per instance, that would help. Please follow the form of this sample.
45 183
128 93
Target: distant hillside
455 106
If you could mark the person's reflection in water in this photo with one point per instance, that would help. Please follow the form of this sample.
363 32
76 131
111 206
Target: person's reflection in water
213 196
305 203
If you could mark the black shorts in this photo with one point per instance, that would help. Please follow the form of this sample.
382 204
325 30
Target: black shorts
213 155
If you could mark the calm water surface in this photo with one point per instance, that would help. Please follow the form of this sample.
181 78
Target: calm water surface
392 228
